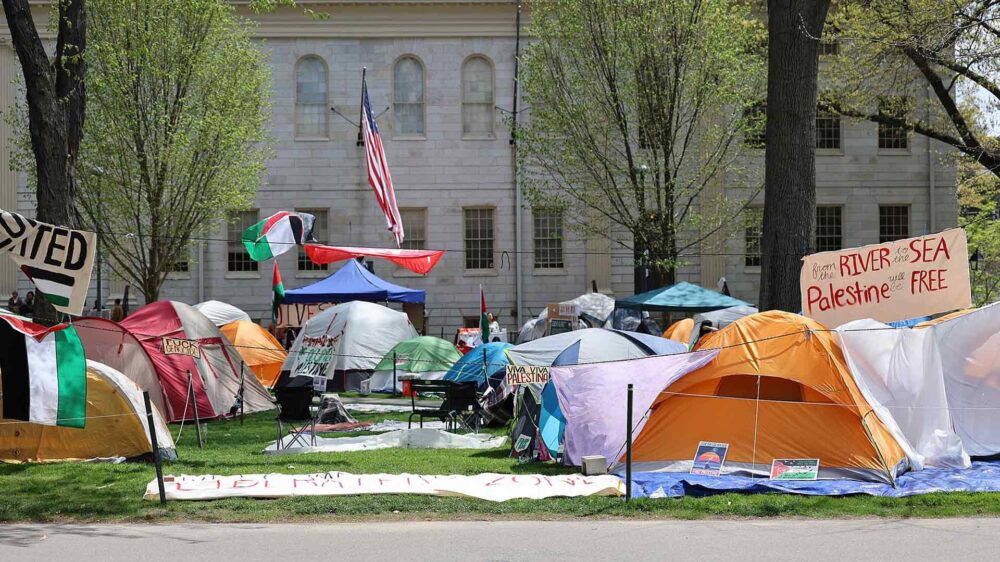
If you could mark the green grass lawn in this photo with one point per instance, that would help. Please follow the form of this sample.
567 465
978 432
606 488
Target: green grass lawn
113 492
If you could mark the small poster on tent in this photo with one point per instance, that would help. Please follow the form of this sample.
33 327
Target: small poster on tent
524 374
174 346
319 384
794 469
888 282
709 458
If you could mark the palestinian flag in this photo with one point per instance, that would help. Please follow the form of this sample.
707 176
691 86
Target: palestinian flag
56 287
43 372
484 322
277 234
278 290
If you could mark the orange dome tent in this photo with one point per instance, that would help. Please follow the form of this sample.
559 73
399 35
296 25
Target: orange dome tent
258 348
680 331
779 389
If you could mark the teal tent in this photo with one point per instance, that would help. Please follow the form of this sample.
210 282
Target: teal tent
682 297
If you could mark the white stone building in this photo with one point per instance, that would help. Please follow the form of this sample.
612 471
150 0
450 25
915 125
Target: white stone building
443 71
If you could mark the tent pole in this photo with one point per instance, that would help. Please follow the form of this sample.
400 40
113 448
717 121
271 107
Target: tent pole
486 371
242 380
628 446
393 373
194 402
156 448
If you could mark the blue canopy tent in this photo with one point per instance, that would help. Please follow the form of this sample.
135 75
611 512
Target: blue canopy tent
682 297
353 282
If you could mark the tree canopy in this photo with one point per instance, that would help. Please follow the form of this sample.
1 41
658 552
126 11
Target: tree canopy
636 108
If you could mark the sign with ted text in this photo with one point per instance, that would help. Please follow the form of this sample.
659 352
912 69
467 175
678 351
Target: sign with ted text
173 346
888 282
523 374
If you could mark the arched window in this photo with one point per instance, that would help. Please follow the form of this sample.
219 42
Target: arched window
477 97
408 96
310 98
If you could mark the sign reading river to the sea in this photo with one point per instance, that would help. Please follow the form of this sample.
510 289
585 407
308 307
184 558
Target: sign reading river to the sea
897 280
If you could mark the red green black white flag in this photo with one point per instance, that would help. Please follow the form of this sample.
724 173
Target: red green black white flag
43 372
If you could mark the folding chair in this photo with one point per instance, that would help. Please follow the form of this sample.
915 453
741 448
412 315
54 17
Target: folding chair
295 411
464 409
425 388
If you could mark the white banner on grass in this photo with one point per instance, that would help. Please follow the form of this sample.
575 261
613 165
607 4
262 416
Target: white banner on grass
492 487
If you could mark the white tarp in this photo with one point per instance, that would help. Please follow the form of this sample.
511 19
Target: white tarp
906 370
350 336
595 305
492 487
416 438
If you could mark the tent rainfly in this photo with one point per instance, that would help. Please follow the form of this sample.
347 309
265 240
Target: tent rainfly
682 297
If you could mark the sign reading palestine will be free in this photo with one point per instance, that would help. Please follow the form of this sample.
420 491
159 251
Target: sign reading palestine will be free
888 282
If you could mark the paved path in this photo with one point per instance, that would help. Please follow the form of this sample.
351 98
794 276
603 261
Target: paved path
766 540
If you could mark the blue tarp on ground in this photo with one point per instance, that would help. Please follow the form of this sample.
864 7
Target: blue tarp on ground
682 297
980 477
352 282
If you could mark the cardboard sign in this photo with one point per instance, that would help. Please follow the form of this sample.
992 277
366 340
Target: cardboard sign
173 346
894 281
523 374
794 469
492 487
709 458
562 310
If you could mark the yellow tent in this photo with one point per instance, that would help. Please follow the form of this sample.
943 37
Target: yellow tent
258 348
779 389
116 426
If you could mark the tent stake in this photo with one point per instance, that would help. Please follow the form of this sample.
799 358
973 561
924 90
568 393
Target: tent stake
628 446
197 419
156 448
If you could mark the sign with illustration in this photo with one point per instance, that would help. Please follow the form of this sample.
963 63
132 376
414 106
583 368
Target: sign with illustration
894 281
794 469
709 458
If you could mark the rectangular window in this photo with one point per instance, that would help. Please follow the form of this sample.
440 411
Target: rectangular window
829 48
893 137
827 130
415 225
179 266
470 321
829 229
756 122
238 258
479 238
893 222
319 233
753 225
548 239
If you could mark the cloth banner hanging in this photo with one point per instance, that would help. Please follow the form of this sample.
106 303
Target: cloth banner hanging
888 282
492 487
58 260
417 261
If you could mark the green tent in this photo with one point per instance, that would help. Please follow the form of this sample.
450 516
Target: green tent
425 357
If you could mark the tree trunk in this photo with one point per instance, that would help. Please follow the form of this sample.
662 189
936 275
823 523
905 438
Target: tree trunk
56 100
794 28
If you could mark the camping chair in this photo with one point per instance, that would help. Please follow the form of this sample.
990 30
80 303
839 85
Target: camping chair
295 411
462 403
430 387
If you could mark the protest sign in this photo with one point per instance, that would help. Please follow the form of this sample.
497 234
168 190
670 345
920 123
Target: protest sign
709 458
174 346
493 487
794 469
523 374
893 281
58 260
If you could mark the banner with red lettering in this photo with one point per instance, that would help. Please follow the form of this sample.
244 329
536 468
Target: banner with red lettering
492 487
888 282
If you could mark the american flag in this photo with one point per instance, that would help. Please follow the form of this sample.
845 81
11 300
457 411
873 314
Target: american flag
378 168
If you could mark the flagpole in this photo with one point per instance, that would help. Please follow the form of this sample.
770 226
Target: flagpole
361 113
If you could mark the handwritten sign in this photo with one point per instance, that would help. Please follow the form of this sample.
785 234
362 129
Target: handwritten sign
523 374
173 346
894 281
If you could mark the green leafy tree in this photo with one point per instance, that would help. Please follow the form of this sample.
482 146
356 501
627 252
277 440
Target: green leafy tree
637 108
934 54
978 197
176 129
